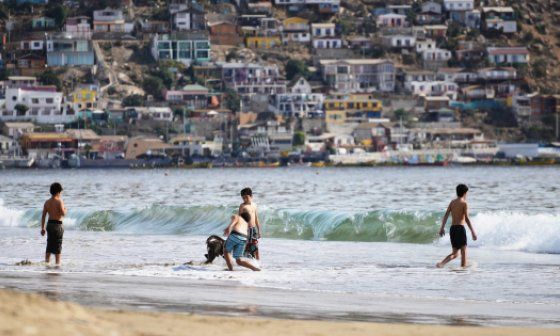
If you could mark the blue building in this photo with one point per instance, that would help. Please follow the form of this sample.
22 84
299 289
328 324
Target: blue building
32 2
66 50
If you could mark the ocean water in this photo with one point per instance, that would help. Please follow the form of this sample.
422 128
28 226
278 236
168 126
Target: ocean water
361 231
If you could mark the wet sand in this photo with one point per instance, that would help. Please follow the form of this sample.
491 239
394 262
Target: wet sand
33 314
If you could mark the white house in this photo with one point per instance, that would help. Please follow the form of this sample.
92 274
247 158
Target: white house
299 101
500 18
44 105
110 20
508 55
327 43
435 88
436 54
417 76
159 113
498 73
399 41
182 20
458 5
33 42
20 81
323 30
78 26
431 7
392 20
423 45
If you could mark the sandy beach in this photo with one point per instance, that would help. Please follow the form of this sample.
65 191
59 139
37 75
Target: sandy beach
32 314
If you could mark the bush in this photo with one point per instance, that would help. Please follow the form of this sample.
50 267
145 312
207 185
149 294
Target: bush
299 139
540 68
133 100
295 68
153 86
48 77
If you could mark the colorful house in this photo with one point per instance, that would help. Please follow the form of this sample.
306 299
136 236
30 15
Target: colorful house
42 22
108 20
83 97
342 108
224 33
295 29
263 42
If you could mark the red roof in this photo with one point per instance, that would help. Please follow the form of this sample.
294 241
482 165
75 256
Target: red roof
508 51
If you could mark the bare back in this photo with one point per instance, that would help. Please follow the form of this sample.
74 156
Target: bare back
250 208
240 225
54 207
458 209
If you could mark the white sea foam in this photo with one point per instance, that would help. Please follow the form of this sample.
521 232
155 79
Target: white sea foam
10 217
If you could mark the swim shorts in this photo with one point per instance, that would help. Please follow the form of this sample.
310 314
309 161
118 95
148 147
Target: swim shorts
55 231
236 244
252 242
458 236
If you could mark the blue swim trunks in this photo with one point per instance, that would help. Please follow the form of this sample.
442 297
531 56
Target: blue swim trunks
236 244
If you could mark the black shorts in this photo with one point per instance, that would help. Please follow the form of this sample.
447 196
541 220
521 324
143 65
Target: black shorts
55 231
458 236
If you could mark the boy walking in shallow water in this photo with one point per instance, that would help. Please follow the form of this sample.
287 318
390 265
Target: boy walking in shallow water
54 207
254 231
458 209
236 232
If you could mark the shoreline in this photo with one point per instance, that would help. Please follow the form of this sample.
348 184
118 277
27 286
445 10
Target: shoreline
22 313
232 298
320 165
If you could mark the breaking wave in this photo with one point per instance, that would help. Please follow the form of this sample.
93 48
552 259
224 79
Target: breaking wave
539 233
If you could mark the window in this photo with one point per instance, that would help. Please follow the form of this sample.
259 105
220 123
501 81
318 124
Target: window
50 100
35 100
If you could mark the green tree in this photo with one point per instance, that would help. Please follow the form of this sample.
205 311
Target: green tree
133 100
48 77
4 74
58 13
232 100
153 86
165 75
179 112
299 139
539 68
401 114
21 109
295 68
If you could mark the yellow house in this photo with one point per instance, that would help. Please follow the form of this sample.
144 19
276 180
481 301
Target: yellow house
262 42
84 97
295 23
342 108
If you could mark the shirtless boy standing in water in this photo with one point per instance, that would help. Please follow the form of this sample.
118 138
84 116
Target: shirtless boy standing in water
459 214
254 225
236 233
54 207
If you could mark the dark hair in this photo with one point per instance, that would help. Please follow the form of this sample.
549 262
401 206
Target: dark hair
246 216
462 190
56 188
246 192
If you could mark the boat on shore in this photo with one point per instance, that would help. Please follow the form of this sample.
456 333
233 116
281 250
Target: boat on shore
17 162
